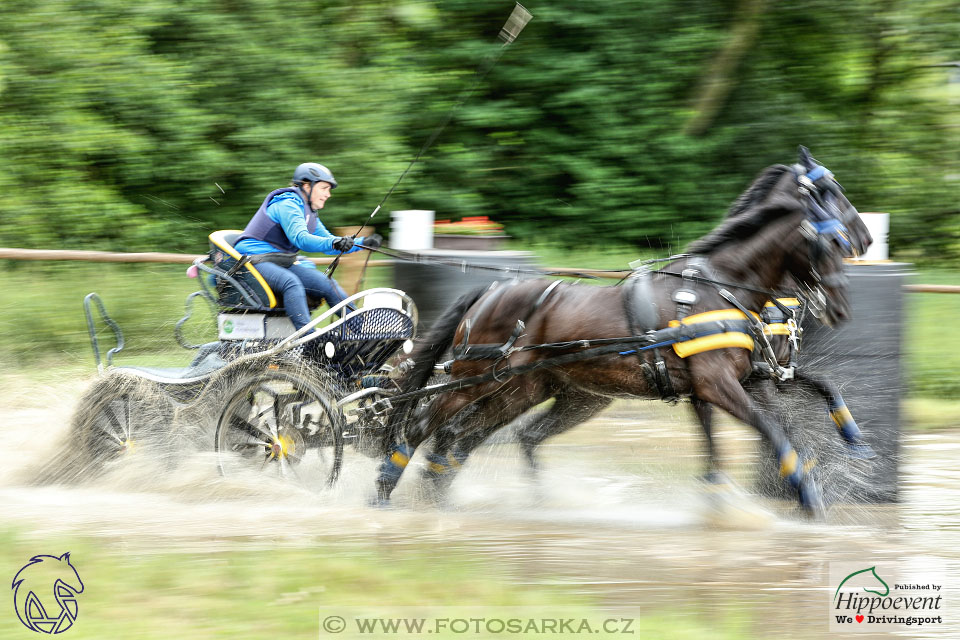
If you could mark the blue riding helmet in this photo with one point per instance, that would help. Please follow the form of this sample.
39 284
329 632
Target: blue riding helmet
312 172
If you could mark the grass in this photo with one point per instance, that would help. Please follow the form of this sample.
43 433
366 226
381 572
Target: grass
283 591
924 414
931 342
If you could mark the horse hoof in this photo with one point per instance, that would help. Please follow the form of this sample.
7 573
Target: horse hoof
726 507
716 478
811 500
379 502
860 451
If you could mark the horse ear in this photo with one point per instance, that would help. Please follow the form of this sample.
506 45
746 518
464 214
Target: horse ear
805 158
66 557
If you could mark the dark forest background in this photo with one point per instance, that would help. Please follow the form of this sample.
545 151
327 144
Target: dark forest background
138 126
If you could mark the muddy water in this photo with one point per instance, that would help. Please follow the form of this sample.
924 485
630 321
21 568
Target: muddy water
616 514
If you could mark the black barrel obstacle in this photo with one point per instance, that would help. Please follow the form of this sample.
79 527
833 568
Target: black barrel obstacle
446 274
863 359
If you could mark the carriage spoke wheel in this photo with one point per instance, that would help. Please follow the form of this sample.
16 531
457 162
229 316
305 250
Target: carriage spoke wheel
111 431
284 424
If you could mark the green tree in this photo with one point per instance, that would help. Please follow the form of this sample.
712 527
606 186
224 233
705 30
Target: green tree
145 125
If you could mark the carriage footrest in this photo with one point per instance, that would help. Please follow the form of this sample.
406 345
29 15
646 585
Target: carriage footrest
206 366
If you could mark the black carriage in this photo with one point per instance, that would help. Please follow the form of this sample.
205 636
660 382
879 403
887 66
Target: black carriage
268 398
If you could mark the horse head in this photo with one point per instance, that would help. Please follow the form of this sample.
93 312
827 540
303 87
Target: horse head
833 230
790 224
834 202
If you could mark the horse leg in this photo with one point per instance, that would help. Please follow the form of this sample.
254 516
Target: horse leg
726 503
726 393
474 409
449 453
462 437
452 446
856 446
398 455
704 413
571 408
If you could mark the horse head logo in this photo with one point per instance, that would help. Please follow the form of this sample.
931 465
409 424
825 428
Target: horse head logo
870 571
45 593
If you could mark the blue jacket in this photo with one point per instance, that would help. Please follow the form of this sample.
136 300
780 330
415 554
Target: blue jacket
284 223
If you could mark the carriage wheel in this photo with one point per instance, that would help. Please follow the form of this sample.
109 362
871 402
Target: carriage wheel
112 430
118 419
282 423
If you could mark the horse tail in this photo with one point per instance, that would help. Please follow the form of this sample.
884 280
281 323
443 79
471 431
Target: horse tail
426 354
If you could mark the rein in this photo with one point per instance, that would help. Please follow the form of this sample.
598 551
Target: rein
499 352
465 266
591 349
771 295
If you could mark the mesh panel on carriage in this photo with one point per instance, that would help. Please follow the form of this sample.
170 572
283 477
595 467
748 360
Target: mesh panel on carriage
368 339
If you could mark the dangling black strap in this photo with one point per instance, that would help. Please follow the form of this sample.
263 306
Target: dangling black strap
642 319
466 351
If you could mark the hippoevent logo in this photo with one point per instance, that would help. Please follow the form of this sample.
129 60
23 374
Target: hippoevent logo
45 593
875 597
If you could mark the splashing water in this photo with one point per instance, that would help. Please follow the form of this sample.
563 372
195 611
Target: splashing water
616 511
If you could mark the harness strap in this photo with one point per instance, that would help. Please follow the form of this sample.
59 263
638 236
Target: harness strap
638 303
493 293
521 324
590 349
466 351
643 314
756 326
701 264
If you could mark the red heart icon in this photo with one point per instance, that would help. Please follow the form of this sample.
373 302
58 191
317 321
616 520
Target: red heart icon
859 618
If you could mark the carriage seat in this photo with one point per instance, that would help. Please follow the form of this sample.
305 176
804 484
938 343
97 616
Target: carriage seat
245 289
207 362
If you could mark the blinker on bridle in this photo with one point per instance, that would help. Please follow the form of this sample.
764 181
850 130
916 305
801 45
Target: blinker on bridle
824 218
824 222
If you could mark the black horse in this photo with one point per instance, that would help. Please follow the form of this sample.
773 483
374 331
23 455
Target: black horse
450 449
792 222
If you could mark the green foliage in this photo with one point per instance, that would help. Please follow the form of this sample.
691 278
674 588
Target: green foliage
145 125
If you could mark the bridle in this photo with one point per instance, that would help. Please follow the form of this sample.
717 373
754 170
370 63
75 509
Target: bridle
825 223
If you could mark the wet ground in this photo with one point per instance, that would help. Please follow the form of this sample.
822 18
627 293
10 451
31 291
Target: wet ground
616 514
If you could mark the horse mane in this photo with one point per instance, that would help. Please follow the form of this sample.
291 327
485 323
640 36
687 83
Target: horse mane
758 189
746 216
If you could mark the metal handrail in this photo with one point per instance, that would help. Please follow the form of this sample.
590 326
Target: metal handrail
188 311
117 333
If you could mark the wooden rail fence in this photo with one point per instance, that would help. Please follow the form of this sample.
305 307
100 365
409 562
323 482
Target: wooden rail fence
185 258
